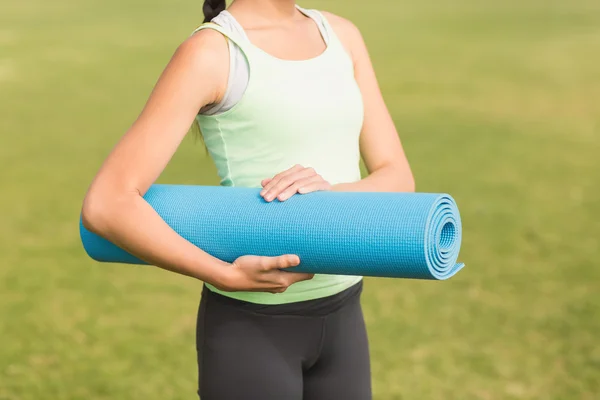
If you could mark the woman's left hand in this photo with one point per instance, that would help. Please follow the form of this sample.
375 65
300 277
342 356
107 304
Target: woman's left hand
297 179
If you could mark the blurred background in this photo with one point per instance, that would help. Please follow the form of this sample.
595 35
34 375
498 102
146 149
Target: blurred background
497 103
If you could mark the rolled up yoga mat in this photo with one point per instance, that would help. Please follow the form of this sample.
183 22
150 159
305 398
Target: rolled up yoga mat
401 235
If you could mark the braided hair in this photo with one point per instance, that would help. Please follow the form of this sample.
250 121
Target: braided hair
212 8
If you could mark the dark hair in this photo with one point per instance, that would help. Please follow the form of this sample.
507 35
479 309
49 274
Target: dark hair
212 8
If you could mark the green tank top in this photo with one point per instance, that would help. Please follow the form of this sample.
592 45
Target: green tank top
306 112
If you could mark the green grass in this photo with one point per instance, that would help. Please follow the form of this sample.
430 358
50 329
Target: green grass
498 103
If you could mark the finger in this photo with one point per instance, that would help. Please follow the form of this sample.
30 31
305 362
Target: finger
279 281
270 282
287 279
268 264
277 180
280 175
293 277
287 261
279 262
314 186
293 189
308 185
287 181
265 181
278 290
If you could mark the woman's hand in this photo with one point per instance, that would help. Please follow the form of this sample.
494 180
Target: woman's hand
297 179
262 274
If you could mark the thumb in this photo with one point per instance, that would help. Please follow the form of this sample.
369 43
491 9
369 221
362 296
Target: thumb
284 261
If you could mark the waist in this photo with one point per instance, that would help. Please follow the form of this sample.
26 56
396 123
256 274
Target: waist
307 308
318 287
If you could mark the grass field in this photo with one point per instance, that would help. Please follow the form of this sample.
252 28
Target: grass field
498 103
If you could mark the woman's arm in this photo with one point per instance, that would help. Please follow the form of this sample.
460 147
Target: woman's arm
380 145
114 207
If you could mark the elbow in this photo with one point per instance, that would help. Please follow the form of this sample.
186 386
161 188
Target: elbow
93 212
98 210
103 208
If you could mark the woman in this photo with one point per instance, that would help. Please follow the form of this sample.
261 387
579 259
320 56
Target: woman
286 100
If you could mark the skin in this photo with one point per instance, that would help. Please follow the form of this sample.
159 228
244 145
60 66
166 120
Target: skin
114 206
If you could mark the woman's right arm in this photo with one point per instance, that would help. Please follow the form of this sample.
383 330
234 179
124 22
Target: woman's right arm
114 207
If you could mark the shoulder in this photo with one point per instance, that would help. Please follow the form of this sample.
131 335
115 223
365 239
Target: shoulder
347 32
202 61
342 26
206 46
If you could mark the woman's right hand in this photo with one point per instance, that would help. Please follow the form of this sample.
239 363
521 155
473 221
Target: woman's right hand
262 274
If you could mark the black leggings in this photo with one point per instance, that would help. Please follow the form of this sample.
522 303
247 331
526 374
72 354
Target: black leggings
310 350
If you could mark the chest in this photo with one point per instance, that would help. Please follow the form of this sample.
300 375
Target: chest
308 100
301 41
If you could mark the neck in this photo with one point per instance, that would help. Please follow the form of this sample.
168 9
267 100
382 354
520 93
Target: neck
264 11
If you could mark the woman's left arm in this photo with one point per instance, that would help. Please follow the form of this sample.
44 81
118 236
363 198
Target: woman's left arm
380 146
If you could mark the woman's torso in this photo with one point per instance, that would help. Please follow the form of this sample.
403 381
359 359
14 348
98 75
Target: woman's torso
277 113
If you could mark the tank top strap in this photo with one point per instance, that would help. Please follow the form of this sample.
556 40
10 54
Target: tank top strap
327 31
319 19
238 40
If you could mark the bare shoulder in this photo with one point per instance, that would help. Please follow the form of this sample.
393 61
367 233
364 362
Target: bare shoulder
341 25
198 65
347 32
205 46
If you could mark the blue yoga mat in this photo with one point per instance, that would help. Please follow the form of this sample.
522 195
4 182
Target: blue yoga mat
401 235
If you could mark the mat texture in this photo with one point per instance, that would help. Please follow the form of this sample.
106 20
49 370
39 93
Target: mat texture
401 235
